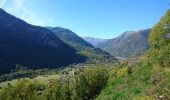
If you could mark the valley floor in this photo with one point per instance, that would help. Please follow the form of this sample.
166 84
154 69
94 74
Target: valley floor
139 82
40 78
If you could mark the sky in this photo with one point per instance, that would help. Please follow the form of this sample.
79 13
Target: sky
95 18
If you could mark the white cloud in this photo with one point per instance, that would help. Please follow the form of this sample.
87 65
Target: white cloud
23 12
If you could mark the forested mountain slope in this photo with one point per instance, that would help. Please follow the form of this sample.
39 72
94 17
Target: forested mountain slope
128 44
94 55
31 46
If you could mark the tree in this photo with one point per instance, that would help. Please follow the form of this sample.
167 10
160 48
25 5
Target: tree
160 42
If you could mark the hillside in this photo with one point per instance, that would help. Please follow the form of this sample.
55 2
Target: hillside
70 38
128 44
94 55
31 46
150 78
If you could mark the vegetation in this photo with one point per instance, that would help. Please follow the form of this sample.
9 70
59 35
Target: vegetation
73 84
23 72
145 77
92 54
160 42
97 56
33 46
143 82
149 80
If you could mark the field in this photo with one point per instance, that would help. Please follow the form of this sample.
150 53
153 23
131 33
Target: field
39 78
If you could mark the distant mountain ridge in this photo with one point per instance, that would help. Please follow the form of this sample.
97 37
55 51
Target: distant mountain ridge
130 43
33 46
94 41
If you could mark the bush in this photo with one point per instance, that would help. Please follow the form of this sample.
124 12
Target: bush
119 72
160 42
89 82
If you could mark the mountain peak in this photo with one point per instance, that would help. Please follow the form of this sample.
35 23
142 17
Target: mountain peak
2 11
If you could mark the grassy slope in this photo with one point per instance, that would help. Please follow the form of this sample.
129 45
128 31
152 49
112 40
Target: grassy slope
144 83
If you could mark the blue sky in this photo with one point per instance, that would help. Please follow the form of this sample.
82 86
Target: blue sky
95 18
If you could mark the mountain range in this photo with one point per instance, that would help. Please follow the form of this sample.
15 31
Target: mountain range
50 47
93 55
33 46
128 44
43 47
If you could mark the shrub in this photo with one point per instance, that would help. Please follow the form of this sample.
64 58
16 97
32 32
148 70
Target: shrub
160 43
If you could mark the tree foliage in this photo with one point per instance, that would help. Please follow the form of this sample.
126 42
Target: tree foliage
79 84
160 42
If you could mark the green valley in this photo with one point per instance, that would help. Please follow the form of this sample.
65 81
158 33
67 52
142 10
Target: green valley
54 63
